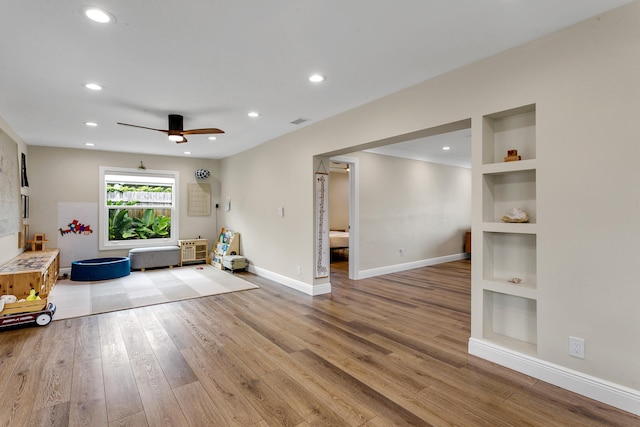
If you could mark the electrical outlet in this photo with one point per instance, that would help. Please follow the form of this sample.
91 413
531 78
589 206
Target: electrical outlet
576 347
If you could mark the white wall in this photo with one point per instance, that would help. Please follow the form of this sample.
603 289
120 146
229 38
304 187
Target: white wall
69 175
584 82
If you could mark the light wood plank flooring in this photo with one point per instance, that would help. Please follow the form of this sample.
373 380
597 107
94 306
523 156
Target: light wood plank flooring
377 352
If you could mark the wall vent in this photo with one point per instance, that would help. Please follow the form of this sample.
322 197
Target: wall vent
298 121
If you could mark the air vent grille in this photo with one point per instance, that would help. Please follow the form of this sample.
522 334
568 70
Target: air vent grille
298 121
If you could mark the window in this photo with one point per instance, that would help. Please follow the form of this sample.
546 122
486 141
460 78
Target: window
137 208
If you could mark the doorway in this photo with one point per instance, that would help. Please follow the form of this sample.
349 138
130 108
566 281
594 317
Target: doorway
343 212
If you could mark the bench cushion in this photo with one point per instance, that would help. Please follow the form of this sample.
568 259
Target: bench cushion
156 256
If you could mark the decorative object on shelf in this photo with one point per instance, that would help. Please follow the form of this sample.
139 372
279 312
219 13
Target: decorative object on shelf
515 280
516 215
202 174
512 156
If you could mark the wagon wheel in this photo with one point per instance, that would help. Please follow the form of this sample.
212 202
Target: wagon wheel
43 319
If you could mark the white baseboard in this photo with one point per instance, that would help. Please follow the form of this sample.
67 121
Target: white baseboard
326 287
292 283
364 274
598 389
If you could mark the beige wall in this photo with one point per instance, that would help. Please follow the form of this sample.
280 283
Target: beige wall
339 200
69 175
9 244
420 207
583 81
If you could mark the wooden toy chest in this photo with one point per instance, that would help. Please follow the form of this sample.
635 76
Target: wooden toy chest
30 270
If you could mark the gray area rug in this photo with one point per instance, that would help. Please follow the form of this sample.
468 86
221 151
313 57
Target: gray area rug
74 299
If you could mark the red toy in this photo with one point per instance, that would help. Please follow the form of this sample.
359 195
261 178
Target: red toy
40 318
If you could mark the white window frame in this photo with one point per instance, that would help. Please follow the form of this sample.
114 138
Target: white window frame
144 177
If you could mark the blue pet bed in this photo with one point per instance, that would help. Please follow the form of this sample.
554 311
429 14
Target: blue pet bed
89 270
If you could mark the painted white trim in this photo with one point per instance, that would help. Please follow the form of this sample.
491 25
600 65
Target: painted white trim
354 213
103 217
306 288
601 390
410 265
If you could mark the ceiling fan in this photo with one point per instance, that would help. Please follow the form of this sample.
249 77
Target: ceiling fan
176 130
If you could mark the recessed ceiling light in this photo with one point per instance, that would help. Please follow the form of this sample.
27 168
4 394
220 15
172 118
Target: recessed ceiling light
254 114
98 15
317 78
187 152
93 86
446 148
89 144
212 138
91 124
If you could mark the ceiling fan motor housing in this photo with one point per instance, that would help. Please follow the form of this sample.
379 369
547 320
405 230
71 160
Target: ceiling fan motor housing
175 123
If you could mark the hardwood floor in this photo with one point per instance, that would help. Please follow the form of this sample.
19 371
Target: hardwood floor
383 351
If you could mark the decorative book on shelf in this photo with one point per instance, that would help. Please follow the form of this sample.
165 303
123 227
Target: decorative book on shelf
228 243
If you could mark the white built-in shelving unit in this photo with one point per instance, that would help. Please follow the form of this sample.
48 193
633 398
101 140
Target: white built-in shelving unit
508 250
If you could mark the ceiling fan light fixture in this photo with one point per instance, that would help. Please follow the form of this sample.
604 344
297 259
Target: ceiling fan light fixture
317 78
93 86
98 15
176 138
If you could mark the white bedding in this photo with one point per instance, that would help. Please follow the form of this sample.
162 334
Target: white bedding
338 239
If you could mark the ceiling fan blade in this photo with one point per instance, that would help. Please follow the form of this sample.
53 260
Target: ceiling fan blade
201 131
183 140
143 127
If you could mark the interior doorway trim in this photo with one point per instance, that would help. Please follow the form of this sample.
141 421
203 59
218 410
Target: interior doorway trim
354 214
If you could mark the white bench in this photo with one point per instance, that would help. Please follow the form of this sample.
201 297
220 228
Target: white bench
152 257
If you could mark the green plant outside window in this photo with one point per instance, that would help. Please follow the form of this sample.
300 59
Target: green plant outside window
139 211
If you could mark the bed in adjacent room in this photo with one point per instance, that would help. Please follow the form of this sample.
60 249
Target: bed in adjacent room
338 239
339 244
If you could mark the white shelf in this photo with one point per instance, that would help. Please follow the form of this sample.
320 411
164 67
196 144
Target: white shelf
523 289
506 167
510 321
510 227
504 191
513 129
512 344
509 255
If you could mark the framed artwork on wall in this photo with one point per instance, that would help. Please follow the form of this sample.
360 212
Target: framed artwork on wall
24 181
25 206
25 235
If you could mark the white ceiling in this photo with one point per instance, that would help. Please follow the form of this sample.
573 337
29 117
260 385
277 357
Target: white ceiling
431 149
214 61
